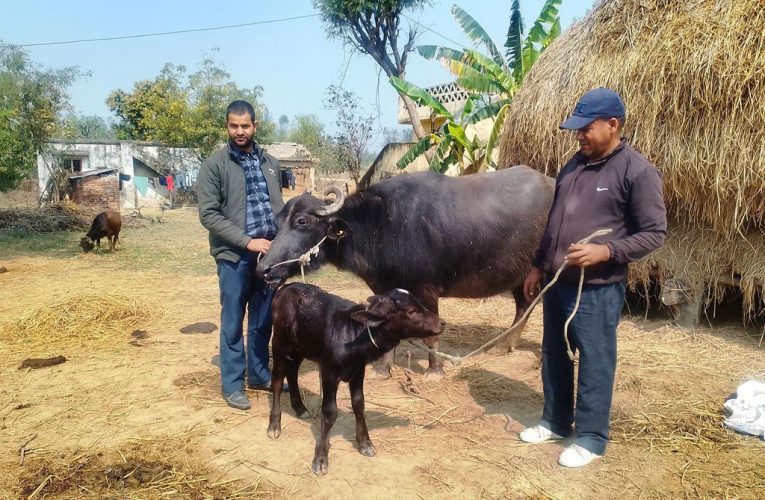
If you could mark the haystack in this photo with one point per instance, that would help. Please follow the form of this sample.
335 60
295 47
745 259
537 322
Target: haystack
692 75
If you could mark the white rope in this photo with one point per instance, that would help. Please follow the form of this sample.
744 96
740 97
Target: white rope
372 338
304 259
458 359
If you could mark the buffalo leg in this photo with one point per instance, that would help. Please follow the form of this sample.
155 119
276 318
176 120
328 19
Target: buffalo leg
277 380
292 377
511 341
435 363
329 382
356 384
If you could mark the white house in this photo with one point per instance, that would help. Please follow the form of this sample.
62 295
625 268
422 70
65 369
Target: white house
142 167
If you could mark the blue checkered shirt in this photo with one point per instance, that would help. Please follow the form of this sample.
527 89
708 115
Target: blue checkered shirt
260 221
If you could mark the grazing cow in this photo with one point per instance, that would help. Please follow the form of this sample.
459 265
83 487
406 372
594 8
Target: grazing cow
434 235
342 337
106 224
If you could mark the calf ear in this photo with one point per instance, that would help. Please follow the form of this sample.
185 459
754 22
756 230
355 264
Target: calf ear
336 229
367 318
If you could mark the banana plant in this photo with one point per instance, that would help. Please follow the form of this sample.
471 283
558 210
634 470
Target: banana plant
451 143
493 75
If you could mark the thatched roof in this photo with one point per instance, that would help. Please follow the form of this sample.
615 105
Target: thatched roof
692 74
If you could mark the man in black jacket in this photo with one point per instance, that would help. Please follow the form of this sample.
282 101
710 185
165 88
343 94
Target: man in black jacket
239 196
606 185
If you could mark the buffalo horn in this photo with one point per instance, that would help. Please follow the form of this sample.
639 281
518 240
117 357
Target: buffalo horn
335 205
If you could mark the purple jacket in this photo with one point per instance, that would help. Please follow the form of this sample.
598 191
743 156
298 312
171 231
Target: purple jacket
623 192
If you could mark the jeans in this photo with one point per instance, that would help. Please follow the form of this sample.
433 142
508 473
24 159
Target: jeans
592 332
241 290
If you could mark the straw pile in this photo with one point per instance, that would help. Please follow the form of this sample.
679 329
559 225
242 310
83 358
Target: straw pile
61 216
83 317
691 74
147 469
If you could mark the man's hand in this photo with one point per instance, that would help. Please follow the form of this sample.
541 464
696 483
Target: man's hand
259 245
531 283
587 254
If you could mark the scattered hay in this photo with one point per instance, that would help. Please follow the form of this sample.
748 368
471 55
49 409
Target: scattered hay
85 317
674 425
149 470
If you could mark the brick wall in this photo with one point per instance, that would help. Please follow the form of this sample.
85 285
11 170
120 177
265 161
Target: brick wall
100 192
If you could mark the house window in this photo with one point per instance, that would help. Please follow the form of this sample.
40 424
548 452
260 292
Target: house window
72 164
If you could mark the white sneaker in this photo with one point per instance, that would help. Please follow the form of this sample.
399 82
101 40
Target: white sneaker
538 434
576 456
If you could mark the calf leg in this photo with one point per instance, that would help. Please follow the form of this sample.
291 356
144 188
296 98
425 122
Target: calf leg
510 341
292 377
277 380
329 382
356 384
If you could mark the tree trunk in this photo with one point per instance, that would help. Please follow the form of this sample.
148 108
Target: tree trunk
414 117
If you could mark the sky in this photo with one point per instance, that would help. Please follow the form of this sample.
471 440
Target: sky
288 54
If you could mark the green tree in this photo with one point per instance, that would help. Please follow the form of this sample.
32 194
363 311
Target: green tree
79 126
31 101
492 77
283 130
373 27
185 110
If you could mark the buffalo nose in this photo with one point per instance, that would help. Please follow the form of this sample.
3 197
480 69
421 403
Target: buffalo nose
265 272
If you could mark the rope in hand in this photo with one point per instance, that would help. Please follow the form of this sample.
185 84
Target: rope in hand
458 359
304 259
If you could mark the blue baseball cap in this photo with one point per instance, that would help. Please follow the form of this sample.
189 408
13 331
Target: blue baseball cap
596 103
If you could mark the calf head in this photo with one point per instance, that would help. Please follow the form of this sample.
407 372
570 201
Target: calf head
303 222
86 244
400 314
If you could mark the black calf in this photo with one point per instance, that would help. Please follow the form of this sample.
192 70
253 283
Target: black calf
342 337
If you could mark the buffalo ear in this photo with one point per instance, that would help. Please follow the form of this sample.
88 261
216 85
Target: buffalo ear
367 318
336 229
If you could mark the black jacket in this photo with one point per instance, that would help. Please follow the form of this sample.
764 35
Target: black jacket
622 192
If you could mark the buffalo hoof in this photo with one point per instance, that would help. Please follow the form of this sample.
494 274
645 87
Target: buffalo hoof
435 374
320 465
274 431
367 449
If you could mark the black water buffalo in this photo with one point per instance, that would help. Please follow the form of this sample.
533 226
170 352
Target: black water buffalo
434 235
342 337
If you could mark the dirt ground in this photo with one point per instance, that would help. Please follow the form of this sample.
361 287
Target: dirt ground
135 411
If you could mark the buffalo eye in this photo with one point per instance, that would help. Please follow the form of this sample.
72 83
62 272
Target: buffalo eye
301 221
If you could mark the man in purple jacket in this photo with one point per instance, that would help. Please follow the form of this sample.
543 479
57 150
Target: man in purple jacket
606 185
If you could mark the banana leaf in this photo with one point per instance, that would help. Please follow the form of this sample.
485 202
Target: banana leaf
476 33
438 163
419 95
489 111
499 122
416 150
